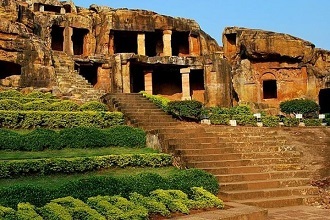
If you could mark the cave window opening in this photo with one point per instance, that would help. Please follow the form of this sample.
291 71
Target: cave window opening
125 42
137 78
154 43
231 43
88 71
269 89
52 8
78 40
9 69
67 8
166 81
324 101
57 38
180 43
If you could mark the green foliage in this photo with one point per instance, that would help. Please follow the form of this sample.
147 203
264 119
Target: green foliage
35 119
9 104
79 137
270 121
108 185
65 106
78 209
10 94
175 200
220 119
240 110
312 122
93 106
26 211
299 106
38 105
7 213
204 199
158 100
39 95
291 122
190 109
54 211
153 206
244 120
126 136
81 164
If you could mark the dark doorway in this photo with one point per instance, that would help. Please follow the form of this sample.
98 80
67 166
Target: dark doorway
196 78
324 101
166 80
78 40
51 8
180 43
88 71
137 78
8 69
154 43
125 42
57 38
269 89
231 43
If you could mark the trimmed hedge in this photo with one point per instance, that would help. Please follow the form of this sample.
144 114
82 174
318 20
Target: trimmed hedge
299 106
9 104
187 109
158 100
15 168
109 185
94 106
49 119
40 95
79 137
37 105
65 106
10 94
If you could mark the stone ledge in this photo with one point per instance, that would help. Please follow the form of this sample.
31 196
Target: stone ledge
235 212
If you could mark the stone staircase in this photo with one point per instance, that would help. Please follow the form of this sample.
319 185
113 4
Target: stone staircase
69 83
255 166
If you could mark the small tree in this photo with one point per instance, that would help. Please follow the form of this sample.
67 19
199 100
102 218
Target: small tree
300 106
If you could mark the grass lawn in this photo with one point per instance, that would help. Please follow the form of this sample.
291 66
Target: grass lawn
68 153
53 181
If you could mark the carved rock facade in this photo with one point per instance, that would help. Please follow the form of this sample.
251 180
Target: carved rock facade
84 53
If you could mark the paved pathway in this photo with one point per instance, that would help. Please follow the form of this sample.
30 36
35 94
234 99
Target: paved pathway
298 213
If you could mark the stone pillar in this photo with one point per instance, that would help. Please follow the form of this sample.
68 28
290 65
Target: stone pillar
62 11
167 43
194 46
117 80
185 72
125 70
141 44
111 44
68 44
148 81
41 8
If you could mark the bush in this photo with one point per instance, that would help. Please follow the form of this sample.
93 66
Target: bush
159 101
38 140
240 110
81 164
11 105
108 185
204 199
220 119
299 106
270 121
35 119
54 211
65 106
153 206
312 122
26 211
10 94
38 105
126 136
245 120
291 122
39 95
9 140
189 109
7 213
94 106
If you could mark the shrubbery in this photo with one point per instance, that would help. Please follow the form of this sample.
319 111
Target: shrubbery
65 106
79 137
9 104
93 106
38 105
138 207
187 109
109 185
299 106
158 100
48 119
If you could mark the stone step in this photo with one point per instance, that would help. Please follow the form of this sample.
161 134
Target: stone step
264 184
229 178
268 193
214 149
276 202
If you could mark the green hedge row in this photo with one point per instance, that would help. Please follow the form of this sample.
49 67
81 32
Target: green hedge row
14 168
79 137
36 119
160 201
50 105
33 95
158 100
82 189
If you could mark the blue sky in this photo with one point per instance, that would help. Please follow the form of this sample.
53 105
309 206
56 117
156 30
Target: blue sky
305 19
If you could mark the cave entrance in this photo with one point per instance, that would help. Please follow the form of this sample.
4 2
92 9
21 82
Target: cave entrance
9 69
324 100
154 43
137 77
57 38
52 8
167 81
78 37
88 71
197 89
180 43
230 43
125 41
269 89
